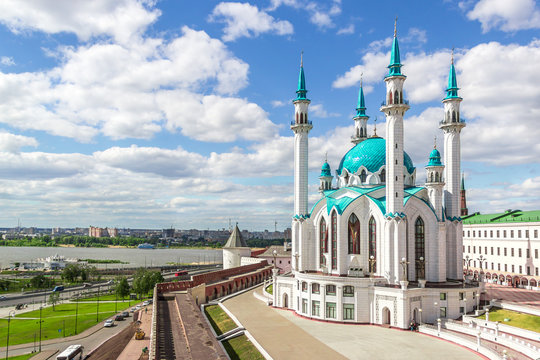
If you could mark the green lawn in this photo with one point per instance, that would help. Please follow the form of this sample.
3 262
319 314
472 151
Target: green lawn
220 321
22 357
63 317
106 297
517 319
241 348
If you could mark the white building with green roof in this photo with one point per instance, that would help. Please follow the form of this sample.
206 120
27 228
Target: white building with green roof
504 247
377 247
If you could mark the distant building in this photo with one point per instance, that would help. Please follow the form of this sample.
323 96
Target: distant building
168 233
508 244
102 232
282 257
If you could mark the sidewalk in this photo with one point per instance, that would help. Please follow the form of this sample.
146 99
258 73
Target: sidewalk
284 335
134 348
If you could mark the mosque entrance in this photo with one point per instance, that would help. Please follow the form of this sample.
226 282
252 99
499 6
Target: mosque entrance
386 316
415 316
285 300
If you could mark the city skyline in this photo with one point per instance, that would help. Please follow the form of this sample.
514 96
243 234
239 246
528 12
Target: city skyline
149 114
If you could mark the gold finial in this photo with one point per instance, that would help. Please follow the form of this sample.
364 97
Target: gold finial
302 58
361 79
375 128
395 27
452 55
326 157
435 142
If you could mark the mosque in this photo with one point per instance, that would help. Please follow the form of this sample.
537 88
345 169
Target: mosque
377 248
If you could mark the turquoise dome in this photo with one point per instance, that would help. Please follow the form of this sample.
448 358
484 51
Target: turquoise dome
370 153
325 170
434 158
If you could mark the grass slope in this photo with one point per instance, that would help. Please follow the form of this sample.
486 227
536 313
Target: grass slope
517 319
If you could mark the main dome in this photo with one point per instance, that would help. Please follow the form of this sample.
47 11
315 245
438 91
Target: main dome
370 153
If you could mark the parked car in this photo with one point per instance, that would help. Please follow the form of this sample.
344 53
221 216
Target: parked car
118 317
146 303
108 323
132 310
125 314
2 297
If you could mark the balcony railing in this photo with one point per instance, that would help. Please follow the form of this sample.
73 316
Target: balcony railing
444 122
293 123
405 102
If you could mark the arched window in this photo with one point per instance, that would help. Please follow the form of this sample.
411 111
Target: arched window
361 132
323 238
390 98
296 117
396 97
363 176
436 177
354 235
334 240
453 116
419 248
373 241
401 97
431 177
383 175
301 118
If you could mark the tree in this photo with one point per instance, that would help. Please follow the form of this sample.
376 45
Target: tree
71 272
144 281
54 298
122 287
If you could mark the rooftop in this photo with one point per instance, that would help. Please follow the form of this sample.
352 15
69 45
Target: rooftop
509 216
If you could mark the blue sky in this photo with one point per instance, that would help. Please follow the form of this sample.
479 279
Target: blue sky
165 113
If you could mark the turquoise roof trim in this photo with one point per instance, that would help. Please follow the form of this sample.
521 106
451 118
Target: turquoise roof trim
370 153
301 92
395 61
361 107
452 89
434 158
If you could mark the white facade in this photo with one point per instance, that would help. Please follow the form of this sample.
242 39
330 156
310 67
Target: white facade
507 252
367 248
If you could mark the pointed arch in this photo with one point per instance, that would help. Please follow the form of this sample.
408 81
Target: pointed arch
297 118
301 118
354 235
323 240
401 97
431 177
396 97
419 247
436 177
382 175
454 116
372 231
363 176
334 239
390 98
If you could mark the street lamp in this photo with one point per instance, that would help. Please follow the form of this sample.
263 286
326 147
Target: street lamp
420 312
481 259
76 311
468 263
40 308
97 304
421 267
11 313
274 253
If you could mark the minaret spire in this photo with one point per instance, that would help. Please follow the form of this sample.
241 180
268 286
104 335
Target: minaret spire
395 60
360 120
302 91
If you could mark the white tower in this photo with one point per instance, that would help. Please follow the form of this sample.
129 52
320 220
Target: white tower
360 120
301 127
451 126
325 178
394 108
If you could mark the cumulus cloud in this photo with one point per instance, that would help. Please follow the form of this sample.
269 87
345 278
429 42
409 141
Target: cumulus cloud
13 143
245 20
7 61
318 110
506 15
120 19
278 103
105 88
346 30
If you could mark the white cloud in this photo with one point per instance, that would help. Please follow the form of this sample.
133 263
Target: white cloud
13 143
506 15
7 61
318 110
215 118
120 19
245 20
346 30
322 15
278 103
105 87
373 69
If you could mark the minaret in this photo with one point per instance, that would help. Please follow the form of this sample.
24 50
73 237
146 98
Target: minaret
360 120
435 182
464 210
301 127
394 108
451 126
325 177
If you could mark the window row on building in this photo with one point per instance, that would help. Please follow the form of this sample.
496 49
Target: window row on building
483 250
348 290
500 234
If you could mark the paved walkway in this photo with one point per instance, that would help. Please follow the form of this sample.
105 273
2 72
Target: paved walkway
285 335
134 348
510 294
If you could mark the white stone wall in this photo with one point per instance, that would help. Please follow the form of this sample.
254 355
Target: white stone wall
232 257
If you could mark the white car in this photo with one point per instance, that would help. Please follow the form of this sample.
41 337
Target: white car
146 303
108 323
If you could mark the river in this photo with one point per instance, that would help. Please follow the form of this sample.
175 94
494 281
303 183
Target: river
133 257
